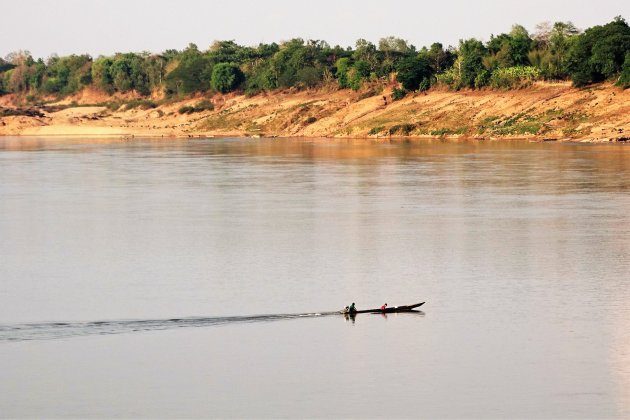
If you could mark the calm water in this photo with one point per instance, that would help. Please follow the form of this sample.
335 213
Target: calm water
195 278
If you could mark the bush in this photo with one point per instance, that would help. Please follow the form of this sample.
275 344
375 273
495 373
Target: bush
113 105
204 105
513 77
482 79
403 129
450 78
186 110
376 130
398 94
141 103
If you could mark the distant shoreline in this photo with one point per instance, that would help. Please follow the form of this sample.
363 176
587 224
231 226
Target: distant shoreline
542 112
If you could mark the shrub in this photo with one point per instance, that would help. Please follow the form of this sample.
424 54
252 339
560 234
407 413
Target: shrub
403 129
113 105
450 78
204 105
186 109
513 77
482 79
376 130
398 94
141 103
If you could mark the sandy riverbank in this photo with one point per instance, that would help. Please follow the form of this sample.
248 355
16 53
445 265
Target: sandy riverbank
545 111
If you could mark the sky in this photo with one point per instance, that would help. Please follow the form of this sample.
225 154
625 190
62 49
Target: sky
103 27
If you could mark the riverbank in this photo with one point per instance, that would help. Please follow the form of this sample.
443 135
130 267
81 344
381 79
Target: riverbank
544 111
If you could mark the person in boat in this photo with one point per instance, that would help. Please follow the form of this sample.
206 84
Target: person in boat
384 307
352 308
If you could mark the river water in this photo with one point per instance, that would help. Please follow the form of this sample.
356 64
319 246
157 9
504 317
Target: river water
196 278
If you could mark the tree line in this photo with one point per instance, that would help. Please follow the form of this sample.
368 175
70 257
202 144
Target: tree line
558 51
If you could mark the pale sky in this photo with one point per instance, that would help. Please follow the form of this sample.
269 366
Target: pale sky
99 27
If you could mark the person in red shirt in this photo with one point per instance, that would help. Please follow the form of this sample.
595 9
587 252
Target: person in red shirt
383 307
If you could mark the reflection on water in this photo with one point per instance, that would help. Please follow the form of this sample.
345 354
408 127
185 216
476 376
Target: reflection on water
521 248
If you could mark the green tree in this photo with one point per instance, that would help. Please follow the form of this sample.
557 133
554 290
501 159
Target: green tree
599 53
414 72
439 58
308 77
519 45
471 53
366 51
16 79
66 75
624 77
342 67
155 69
101 74
226 77
552 48
508 50
121 72
359 73
192 72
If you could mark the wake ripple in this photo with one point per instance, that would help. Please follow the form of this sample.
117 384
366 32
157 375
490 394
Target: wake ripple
57 330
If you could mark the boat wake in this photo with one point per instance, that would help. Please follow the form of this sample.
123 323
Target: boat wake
56 330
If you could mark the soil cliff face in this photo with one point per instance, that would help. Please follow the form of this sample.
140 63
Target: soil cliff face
542 111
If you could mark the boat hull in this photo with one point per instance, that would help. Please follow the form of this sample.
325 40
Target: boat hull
391 309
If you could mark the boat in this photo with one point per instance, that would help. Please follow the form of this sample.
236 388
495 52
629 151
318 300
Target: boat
389 309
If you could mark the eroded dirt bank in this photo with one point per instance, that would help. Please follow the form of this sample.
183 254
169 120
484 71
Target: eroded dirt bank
543 111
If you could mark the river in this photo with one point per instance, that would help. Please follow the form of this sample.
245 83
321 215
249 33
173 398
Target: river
196 278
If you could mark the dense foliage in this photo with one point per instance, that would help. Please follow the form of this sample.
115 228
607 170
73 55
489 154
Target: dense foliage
509 60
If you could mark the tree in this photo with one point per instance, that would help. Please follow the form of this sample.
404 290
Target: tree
343 66
542 35
508 50
439 58
191 73
365 51
599 53
560 35
624 77
121 72
359 72
101 74
414 72
155 69
230 52
471 53
308 77
552 45
5 65
226 77
519 45
16 79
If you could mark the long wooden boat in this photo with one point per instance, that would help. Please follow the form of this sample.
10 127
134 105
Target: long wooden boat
389 309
